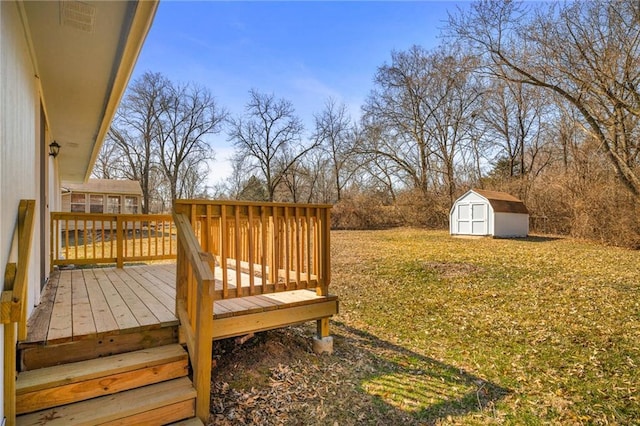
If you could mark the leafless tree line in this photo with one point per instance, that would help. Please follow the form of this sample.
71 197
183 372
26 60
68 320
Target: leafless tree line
159 137
541 100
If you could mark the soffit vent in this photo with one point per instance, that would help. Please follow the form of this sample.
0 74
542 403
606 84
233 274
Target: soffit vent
78 15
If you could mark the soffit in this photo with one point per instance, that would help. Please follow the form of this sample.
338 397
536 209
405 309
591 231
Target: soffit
79 49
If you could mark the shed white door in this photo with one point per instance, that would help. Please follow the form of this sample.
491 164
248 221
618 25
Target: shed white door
472 219
464 219
479 219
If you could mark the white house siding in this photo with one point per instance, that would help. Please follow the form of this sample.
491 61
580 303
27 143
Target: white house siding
66 203
511 225
19 153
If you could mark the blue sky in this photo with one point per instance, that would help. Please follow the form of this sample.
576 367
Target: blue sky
304 52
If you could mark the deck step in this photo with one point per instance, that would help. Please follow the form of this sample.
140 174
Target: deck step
64 384
38 355
156 404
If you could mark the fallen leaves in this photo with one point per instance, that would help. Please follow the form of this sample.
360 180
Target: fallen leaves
549 327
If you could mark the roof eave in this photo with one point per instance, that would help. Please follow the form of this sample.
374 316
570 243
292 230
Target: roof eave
142 20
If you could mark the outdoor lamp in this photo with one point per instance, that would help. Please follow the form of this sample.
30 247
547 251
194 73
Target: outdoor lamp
54 149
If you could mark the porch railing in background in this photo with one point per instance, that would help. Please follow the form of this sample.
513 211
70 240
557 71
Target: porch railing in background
92 238
14 303
263 247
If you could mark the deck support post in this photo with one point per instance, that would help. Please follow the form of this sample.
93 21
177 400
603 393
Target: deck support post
322 342
322 327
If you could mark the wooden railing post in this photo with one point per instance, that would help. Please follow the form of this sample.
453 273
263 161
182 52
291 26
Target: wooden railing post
13 304
10 376
203 349
324 275
194 304
119 243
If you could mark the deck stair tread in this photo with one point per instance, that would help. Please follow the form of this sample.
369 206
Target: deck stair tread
66 383
160 403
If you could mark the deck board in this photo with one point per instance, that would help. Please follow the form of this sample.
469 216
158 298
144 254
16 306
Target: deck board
140 311
84 303
61 327
121 313
164 275
164 292
38 324
161 307
83 322
102 311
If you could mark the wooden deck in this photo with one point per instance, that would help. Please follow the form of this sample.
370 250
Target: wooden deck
82 304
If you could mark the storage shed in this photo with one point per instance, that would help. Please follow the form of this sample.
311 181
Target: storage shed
489 213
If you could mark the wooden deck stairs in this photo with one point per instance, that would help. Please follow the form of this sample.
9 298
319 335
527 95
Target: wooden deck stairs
144 386
103 346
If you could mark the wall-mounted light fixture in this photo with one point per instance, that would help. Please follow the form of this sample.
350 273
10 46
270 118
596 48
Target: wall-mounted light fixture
54 149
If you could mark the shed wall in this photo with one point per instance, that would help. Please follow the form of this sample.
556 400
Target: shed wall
511 225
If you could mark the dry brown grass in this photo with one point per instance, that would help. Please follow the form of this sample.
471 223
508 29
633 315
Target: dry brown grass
437 330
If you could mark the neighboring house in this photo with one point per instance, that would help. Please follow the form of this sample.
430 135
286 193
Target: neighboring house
63 70
102 196
489 213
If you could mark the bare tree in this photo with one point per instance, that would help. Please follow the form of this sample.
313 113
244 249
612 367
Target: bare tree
160 138
587 53
320 185
452 126
105 165
334 134
296 181
396 108
192 177
514 115
268 138
188 114
132 136
422 108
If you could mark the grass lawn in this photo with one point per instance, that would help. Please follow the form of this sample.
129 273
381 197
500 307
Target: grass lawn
549 329
437 330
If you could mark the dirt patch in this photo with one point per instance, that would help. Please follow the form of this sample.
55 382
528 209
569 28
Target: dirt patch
246 365
452 270
275 378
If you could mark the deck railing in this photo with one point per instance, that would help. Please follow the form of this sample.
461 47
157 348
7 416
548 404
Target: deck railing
194 308
268 247
263 247
14 303
92 238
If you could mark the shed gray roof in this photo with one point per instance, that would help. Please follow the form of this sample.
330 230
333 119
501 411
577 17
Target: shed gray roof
105 186
503 202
